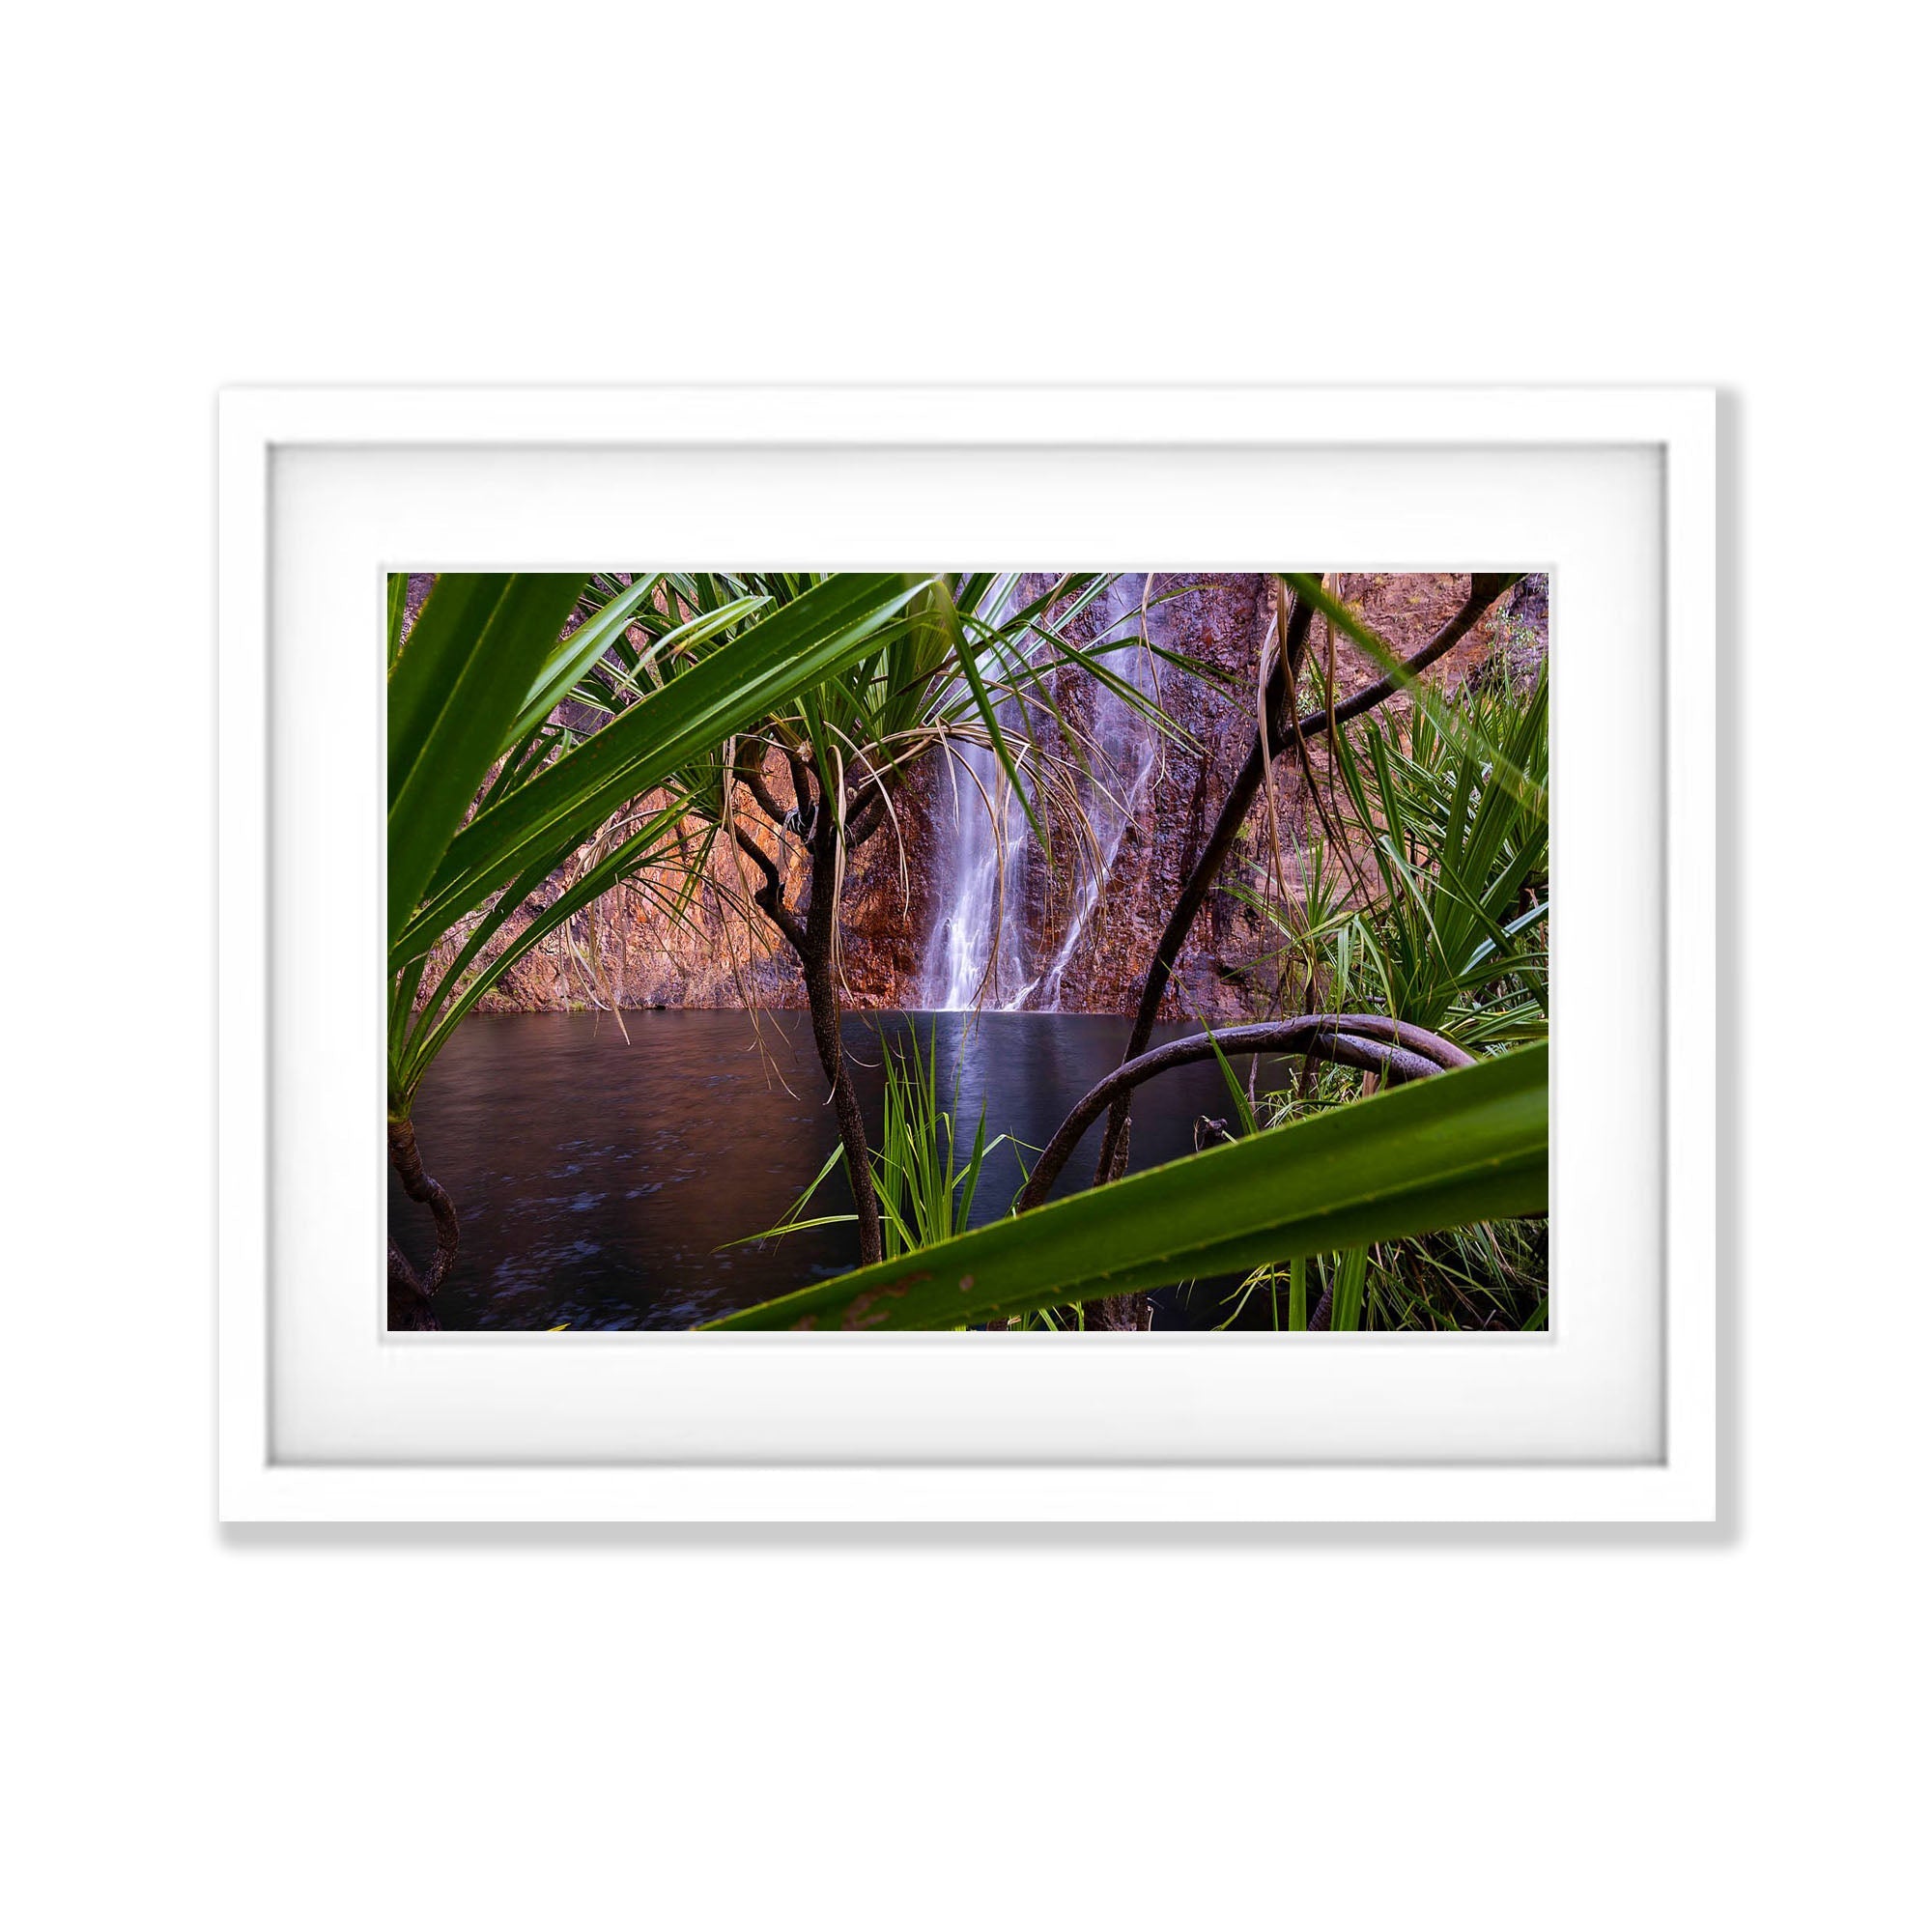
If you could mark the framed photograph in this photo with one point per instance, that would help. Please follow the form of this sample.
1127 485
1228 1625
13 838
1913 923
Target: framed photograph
951 955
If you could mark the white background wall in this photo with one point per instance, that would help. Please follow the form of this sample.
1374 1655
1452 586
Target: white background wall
597 1728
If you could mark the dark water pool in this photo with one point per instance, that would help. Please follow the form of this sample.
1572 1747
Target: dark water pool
596 1182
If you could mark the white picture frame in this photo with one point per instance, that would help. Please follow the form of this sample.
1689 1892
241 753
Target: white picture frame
324 1418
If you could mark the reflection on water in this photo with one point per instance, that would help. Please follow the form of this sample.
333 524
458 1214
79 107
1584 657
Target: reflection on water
595 1181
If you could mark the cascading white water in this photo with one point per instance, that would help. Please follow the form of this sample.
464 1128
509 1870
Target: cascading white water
1124 746
976 947
978 952
976 956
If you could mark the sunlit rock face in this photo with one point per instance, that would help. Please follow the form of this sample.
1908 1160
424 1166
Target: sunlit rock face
930 902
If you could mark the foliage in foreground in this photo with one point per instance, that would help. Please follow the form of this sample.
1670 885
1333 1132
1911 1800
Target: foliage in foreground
1464 1147
1448 802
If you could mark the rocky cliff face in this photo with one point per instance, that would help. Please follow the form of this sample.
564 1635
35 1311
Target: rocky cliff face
1097 913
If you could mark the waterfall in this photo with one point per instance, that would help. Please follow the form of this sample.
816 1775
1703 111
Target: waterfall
1125 748
979 939
976 956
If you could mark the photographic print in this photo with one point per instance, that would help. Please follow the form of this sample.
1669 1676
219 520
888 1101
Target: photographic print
1061 952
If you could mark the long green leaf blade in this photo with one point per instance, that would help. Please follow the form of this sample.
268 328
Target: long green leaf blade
1459 1148
455 687
577 654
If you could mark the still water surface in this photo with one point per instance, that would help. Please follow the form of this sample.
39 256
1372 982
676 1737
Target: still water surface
596 1182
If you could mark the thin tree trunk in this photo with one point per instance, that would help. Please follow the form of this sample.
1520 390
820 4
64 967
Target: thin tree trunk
412 1296
1201 882
1485 587
815 940
821 993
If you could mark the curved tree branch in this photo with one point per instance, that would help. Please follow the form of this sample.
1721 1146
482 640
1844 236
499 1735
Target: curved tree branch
769 898
1485 587
862 823
1392 1049
801 789
753 781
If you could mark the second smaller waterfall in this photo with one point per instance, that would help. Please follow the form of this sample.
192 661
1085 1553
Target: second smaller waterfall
1124 749
980 954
